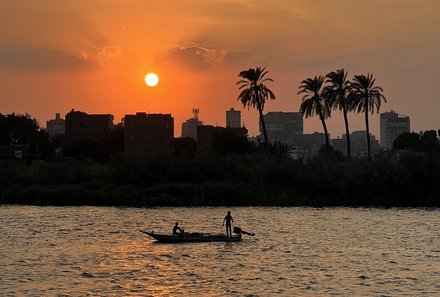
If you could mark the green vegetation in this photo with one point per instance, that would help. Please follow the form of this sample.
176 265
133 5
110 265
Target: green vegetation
226 179
361 95
339 96
16 128
366 97
254 93
426 143
314 102
234 171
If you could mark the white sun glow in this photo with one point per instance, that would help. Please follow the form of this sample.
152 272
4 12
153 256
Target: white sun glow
151 79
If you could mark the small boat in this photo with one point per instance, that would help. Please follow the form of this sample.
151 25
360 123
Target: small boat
191 237
197 237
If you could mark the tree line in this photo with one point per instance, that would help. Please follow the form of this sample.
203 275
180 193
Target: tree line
215 178
234 171
321 95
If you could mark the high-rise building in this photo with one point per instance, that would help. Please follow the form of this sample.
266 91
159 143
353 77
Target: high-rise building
392 125
286 127
146 133
56 126
233 118
189 128
91 126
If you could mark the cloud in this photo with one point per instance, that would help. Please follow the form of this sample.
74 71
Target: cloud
109 53
201 58
44 60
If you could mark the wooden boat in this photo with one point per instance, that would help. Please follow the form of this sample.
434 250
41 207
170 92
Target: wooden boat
191 237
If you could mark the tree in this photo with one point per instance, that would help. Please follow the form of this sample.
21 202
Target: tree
366 98
18 129
338 94
429 142
314 103
185 147
116 141
407 141
254 92
231 143
426 142
83 148
281 150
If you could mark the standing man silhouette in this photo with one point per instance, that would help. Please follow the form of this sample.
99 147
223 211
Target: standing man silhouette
228 219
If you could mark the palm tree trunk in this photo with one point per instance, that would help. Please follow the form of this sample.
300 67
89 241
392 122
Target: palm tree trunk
367 126
327 142
263 125
347 132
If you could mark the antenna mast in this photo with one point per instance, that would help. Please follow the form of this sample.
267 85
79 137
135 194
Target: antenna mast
196 113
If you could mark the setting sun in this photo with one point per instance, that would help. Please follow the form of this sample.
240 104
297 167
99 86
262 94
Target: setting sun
151 79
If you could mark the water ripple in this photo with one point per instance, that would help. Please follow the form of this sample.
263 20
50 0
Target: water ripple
89 251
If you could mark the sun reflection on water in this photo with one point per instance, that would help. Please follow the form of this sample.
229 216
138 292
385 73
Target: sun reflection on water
307 252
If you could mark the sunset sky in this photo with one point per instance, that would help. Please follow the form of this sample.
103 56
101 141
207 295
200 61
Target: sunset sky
93 55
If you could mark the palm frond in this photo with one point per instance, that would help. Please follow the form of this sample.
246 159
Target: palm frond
254 92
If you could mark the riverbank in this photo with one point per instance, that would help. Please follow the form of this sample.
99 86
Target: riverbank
232 180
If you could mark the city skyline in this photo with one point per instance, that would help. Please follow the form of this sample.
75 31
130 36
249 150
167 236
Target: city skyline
93 56
284 124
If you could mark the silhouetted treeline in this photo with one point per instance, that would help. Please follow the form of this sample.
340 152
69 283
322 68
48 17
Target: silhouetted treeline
321 94
233 172
21 130
426 142
231 179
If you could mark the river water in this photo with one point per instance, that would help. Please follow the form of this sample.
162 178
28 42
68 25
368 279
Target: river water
98 251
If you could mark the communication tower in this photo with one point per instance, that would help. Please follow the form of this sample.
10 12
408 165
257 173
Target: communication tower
196 113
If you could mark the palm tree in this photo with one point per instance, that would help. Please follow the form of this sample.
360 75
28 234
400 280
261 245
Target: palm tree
254 92
314 103
338 94
366 98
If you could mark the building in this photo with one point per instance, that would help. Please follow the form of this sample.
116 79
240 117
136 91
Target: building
189 128
206 135
233 118
392 125
286 127
359 146
358 143
56 126
146 133
311 142
340 144
96 127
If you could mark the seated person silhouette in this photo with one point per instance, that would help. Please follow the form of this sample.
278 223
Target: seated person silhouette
177 229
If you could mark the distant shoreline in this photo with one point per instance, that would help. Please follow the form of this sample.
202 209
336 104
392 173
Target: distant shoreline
165 196
224 180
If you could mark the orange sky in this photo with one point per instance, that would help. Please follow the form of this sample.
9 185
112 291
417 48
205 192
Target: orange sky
92 55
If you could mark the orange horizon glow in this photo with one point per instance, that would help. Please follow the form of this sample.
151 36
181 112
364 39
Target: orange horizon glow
93 56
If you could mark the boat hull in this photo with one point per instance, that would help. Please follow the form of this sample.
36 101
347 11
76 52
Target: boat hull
191 237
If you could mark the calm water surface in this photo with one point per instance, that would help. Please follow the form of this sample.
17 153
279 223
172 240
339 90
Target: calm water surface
89 251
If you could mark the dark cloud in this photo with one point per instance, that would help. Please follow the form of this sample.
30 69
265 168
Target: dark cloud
200 58
44 60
